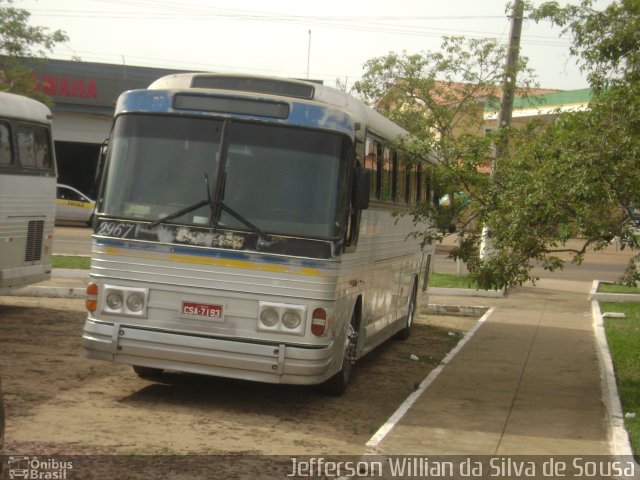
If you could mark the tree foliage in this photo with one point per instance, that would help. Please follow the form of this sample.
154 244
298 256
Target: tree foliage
597 152
439 97
20 40
576 177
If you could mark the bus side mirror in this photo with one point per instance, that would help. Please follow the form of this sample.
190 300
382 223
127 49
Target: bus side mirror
362 188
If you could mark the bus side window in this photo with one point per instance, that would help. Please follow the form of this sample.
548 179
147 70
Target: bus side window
6 158
401 179
371 163
413 184
388 186
33 147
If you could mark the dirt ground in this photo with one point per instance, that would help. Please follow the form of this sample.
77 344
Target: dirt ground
60 403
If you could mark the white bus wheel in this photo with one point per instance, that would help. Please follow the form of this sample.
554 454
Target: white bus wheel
337 385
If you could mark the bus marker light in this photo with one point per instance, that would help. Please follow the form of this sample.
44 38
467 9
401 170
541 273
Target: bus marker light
319 322
91 305
91 302
92 289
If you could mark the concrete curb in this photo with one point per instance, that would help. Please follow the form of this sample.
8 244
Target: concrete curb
465 292
49 292
611 297
618 436
455 310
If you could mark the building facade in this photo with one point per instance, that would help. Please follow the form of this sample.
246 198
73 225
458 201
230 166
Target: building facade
84 96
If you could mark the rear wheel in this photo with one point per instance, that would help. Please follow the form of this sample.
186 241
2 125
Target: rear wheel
406 331
148 372
337 384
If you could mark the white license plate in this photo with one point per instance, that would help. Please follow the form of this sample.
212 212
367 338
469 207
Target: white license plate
202 311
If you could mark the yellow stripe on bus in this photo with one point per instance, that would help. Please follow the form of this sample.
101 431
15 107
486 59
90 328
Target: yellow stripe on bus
222 262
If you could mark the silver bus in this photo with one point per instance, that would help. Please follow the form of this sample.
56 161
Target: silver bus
245 228
27 192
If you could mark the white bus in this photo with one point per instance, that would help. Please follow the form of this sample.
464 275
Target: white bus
27 192
245 229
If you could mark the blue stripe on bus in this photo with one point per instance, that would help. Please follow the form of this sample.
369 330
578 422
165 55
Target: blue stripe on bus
226 255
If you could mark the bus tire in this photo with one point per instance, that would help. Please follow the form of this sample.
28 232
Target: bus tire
337 385
406 330
148 373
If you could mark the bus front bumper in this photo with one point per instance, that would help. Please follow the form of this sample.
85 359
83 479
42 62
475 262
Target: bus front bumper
270 363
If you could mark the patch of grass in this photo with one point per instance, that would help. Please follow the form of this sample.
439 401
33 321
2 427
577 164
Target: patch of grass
623 336
450 280
616 288
68 261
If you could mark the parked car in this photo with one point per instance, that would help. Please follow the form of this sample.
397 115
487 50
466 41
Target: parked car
73 206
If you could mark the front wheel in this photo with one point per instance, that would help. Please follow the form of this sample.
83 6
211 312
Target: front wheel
337 385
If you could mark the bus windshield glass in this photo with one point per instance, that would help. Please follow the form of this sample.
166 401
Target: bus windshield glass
284 180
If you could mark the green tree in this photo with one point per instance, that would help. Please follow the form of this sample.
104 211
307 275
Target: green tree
19 40
597 153
439 97
576 177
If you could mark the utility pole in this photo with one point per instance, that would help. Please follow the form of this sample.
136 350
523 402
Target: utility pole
506 103
308 54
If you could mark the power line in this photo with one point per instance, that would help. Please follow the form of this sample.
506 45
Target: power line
362 26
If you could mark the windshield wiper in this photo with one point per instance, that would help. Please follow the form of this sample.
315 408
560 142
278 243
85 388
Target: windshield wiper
179 213
243 220
218 204
215 206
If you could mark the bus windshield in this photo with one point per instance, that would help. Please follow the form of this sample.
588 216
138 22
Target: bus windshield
284 180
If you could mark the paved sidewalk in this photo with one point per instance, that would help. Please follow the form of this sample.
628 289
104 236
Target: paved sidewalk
527 382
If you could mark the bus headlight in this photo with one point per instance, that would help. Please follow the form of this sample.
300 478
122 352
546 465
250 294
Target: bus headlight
291 319
269 317
114 300
126 301
135 302
282 318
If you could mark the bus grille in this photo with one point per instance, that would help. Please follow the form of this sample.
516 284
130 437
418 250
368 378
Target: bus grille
33 252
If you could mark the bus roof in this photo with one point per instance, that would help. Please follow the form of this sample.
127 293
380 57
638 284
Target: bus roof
369 119
23 108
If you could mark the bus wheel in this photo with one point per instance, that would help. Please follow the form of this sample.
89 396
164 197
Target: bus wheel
148 373
337 384
406 331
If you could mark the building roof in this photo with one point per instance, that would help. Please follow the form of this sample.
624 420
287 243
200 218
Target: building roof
546 103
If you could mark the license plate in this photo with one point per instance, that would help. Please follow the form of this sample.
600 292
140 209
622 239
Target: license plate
202 311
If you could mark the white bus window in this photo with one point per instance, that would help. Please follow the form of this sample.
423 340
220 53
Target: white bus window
6 158
33 147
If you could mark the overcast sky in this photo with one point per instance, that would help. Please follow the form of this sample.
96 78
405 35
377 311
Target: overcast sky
271 37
